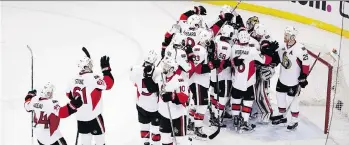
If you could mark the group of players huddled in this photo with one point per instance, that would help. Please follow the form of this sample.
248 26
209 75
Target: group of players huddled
223 68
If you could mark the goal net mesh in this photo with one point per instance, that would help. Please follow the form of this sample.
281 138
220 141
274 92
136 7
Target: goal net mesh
327 94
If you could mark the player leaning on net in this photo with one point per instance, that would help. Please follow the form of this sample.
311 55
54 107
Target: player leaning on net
146 77
294 70
199 83
90 86
47 114
262 109
244 56
172 105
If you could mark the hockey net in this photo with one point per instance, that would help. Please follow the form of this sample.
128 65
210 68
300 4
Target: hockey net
326 98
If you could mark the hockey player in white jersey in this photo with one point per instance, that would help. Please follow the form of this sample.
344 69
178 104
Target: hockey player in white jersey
262 109
145 77
199 83
222 73
172 105
47 114
244 56
294 70
90 86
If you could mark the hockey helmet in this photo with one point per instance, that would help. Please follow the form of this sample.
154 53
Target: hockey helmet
243 37
205 37
85 64
251 22
151 57
227 31
169 65
195 21
47 91
179 40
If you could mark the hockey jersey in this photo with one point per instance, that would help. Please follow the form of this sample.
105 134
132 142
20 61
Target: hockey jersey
90 86
179 88
245 74
200 75
145 99
294 61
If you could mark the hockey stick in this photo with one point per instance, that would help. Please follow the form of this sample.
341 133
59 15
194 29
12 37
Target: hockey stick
32 88
169 112
298 92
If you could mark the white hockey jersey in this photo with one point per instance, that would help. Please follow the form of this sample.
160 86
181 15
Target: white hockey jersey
224 51
181 59
178 86
46 119
148 101
245 74
293 60
89 86
200 57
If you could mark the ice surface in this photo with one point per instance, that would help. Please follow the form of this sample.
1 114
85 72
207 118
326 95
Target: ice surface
56 31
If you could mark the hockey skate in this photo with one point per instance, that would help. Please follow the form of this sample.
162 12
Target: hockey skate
237 122
277 121
246 127
190 127
292 126
227 115
217 122
199 134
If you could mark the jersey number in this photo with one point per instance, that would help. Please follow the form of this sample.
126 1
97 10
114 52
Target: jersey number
190 41
77 91
222 56
196 58
43 120
241 68
182 88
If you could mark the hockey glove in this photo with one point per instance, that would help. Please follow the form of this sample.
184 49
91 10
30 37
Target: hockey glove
105 64
228 17
238 62
216 63
75 103
148 71
163 53
211 50
274 45
302 80
167 97
30 95
200 10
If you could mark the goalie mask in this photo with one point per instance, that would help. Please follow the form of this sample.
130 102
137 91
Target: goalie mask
85 65
47 91
251 22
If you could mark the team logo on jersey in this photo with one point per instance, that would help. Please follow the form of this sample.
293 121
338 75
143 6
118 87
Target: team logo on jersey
286 63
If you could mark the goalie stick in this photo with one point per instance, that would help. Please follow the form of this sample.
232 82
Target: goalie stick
32 88
220 118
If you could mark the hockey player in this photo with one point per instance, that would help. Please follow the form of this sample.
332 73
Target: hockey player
172 105
222 73
294 70
200 82
262 109
250 23
47 114
90 86
244 56
145 78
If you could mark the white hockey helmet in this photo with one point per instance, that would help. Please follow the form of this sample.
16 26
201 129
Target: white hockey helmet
227 31
47 91
151 57
85 64
260 29
195 21
205 37
291 30
243 36
226 9
178 40
290 34
169 65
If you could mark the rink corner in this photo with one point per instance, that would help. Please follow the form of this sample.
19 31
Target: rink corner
282 14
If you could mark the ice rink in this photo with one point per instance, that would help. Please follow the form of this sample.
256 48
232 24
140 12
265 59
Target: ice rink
125 31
